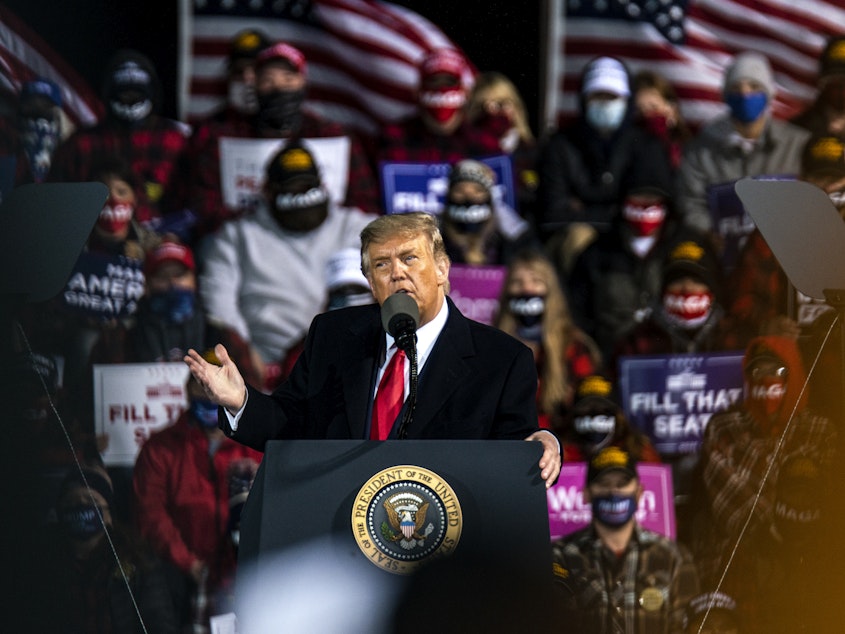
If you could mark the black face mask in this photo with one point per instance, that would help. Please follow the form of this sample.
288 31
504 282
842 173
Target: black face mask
131 113
301 212
527 309
80 522
594 429
281 109
469 218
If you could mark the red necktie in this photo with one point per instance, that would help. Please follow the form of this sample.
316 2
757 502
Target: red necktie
389 398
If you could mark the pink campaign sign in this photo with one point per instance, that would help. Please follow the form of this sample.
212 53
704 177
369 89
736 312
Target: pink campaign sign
568 512
475 290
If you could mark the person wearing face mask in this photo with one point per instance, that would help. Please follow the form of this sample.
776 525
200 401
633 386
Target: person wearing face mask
494 104
688 314
617 281
170 319
687 317
470 220
438 132
264 275
533 309
152 145
746 141
32 126
117 230
614 575
586 166
32 136
745 482
659 112
241 99
281 90
98 584
759 294
115 249
181 497
596 420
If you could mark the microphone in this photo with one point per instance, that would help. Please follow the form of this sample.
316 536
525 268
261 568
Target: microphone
399 317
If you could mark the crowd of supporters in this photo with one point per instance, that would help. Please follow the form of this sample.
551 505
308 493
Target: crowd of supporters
615 245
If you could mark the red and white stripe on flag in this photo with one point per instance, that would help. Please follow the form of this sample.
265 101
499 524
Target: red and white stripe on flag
24 56
690 42
362 55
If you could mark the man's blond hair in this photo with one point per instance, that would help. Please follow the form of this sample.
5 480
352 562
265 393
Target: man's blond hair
407 226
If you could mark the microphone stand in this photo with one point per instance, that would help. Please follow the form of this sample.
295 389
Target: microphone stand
400 317
409 344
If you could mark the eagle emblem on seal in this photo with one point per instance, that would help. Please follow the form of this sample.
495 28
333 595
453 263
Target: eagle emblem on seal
406 518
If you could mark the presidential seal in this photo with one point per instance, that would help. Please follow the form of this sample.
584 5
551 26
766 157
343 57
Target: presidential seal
405 515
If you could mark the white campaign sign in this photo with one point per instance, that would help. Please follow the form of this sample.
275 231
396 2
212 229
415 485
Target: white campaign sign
243 161
133 400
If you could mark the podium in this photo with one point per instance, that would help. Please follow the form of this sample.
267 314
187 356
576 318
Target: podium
401 503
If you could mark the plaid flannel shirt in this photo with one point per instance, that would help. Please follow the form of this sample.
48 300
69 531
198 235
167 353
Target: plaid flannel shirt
155 151
412 141
758 289
644 590
735 458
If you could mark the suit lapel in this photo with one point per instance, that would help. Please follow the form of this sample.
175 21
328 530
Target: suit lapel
360 359
445 369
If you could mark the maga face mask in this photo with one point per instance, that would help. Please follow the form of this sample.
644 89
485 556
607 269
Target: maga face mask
443 103
765 397
688 310
644 220
115 216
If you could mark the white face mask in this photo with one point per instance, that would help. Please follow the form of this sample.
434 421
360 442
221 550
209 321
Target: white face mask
242 97
838 199
132 112
606 116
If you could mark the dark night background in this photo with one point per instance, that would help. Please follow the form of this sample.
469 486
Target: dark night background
496 35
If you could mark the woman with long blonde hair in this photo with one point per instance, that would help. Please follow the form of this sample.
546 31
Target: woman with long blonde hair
496 108
533 308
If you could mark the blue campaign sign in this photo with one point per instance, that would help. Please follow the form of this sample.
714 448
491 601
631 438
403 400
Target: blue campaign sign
422 186
730 220
104 287
671 397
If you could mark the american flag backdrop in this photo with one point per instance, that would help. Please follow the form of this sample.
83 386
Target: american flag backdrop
690 42
24 55
361 54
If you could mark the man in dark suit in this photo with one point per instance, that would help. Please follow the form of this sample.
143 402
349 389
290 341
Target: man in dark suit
475 382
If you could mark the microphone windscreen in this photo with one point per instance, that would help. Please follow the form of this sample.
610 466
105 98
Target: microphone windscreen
399 305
